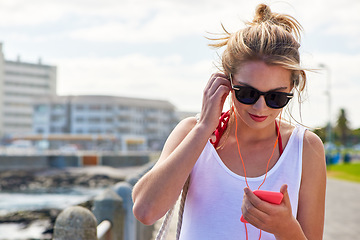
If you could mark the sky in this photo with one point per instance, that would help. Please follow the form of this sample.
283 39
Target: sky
158 49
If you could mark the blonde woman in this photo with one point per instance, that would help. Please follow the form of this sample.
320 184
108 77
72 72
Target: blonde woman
250 148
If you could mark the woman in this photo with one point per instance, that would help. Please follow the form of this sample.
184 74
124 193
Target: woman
249 149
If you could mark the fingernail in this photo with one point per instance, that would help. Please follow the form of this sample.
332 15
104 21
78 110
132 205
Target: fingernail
246 190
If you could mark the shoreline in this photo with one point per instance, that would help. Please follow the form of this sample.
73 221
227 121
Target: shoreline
38 223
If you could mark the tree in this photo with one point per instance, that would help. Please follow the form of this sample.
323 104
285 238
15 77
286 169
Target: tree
342 129
355 136
321 132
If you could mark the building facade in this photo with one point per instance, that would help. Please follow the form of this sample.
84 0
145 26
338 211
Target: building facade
20 84
138 124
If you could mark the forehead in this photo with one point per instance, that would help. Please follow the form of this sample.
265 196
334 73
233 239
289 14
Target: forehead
263 76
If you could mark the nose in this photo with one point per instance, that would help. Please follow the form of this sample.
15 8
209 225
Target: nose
260 103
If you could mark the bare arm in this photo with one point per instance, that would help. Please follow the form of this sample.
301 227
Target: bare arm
311 208
159 189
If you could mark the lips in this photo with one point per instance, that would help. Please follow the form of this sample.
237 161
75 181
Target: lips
257 118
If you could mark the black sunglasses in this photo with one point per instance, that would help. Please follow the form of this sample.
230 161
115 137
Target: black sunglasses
249 95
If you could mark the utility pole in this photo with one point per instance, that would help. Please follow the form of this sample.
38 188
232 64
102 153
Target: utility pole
328 93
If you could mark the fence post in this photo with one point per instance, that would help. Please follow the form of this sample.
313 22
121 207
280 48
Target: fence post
75 223
124 190
143 232
109 206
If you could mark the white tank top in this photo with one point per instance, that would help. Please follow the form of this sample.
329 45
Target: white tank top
213 203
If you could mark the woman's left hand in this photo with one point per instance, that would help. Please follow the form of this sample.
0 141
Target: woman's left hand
275 219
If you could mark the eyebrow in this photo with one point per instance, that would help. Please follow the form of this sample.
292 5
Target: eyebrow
271 90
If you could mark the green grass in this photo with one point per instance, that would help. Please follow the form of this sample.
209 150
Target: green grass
349 172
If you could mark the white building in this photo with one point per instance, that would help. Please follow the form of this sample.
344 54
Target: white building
138 124
20 84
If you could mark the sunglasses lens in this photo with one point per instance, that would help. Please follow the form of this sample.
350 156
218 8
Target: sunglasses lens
276 100
247 95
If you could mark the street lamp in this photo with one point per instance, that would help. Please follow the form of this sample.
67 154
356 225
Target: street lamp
328 93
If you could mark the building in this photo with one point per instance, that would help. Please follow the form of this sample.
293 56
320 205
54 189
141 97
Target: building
137 124
20 84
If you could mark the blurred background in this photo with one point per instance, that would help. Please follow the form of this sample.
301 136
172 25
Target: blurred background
117 76
158 50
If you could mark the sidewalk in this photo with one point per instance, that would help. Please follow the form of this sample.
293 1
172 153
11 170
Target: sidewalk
342 216
342 212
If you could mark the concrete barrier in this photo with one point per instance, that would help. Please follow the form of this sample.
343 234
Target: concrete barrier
124 160
76 223
115 205
12 162
61 161
109 206
124 189
143 232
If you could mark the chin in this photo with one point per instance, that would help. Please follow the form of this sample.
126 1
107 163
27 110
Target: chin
257 124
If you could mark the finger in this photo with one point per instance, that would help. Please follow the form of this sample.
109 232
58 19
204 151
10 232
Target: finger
223 93
217 75
286 197
213 78
251 214
256 201
253 204
211 86
219 81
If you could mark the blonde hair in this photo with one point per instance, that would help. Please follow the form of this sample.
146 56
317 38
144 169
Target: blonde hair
272 38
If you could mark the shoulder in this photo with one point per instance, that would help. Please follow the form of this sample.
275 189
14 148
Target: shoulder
313 144
181 130
314 164
185 125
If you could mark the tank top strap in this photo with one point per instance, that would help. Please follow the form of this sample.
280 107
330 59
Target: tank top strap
281 150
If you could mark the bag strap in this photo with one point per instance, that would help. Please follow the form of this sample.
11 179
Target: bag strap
182 205
163 230
161 235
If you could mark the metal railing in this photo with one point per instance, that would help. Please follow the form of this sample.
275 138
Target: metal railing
103 230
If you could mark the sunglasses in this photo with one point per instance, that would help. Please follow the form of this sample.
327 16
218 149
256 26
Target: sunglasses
249 96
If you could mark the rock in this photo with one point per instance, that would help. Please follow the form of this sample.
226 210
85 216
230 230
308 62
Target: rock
15 181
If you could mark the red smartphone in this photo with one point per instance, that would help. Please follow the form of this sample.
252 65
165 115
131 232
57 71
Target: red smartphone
268 196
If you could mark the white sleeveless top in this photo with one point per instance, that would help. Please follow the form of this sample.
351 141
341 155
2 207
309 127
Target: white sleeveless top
214 199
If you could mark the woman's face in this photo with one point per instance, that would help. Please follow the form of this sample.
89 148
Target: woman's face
262 77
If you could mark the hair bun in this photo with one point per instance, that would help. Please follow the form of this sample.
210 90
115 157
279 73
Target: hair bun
262 13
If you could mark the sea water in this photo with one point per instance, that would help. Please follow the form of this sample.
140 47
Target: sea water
55 198
59 199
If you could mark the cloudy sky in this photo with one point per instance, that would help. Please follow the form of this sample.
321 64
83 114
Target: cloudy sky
157 49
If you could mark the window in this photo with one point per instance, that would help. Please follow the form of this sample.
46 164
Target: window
94 120
40 130
95 107
79 119
41 108
80 107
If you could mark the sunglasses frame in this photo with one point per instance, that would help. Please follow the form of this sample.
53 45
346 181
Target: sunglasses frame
237 88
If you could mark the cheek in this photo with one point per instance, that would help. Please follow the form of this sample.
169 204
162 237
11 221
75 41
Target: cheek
240 108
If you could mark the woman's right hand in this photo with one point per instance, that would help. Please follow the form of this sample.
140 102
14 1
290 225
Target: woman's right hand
214 96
